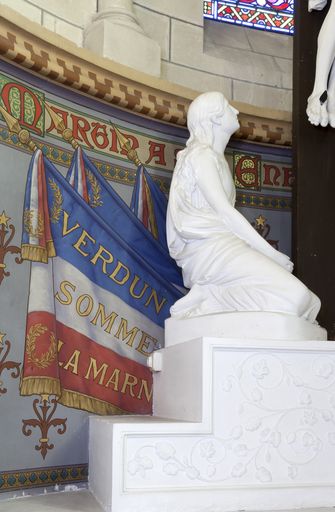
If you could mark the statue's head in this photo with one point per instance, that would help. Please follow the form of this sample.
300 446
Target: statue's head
208 111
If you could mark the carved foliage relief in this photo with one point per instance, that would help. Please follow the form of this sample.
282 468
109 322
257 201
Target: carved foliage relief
272 424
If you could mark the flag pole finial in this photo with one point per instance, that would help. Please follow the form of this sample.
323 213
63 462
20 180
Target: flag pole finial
126 144
67 134
14 127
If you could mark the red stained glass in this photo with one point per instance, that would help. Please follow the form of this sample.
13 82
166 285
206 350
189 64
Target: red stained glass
271 15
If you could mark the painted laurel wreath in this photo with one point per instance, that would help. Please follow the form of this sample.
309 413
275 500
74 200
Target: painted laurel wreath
35 229
46 358
56 208
95 192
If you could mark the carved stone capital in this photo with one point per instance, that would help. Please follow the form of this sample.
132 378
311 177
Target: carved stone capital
119 12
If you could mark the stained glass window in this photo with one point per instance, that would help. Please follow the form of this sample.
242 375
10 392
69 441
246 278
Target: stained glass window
272 15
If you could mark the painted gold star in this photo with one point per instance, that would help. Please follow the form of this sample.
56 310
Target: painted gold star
2 335
4 219
260 221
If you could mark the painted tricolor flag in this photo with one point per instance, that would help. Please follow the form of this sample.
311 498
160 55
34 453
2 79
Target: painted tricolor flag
96 307
78 179
149 204
130 223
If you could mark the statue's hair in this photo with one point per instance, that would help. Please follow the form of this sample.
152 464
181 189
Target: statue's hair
202 114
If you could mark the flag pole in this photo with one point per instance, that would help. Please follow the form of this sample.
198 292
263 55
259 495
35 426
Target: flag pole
14 127
66 133
126 144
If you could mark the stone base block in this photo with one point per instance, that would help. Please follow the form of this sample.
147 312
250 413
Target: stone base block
249 425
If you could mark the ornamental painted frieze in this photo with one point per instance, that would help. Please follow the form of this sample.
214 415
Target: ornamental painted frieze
20 45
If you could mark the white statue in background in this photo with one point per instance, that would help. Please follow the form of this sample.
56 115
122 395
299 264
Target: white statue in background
226 264
321 103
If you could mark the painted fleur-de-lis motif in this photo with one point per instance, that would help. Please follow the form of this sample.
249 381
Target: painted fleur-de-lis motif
7 233
12 366
263 228
44 408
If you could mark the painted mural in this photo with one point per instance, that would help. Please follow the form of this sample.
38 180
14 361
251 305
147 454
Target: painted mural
76 145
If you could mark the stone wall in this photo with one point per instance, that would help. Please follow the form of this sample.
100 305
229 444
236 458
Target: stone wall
67 18
247 65
259 64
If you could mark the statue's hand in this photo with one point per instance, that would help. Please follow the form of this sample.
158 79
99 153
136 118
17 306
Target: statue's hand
284 261
316 5
289 266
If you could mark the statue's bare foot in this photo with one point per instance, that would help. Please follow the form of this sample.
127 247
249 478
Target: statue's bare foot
331 108
317 109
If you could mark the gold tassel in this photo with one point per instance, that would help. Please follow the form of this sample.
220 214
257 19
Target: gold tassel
51 249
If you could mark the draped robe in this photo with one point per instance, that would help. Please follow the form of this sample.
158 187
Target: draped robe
219 252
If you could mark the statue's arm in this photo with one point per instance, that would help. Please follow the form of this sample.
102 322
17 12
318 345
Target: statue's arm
210 185
320 103
316 5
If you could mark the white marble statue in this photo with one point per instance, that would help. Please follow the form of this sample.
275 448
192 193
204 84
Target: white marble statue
226 264
321 103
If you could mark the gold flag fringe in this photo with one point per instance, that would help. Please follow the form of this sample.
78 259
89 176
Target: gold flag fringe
38 253
40 386
77 400
50 386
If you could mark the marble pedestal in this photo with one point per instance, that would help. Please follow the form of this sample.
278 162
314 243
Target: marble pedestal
258 325
248 424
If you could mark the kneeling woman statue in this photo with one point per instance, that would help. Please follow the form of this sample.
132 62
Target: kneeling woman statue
226 264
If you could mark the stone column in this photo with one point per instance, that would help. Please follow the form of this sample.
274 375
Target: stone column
115 33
